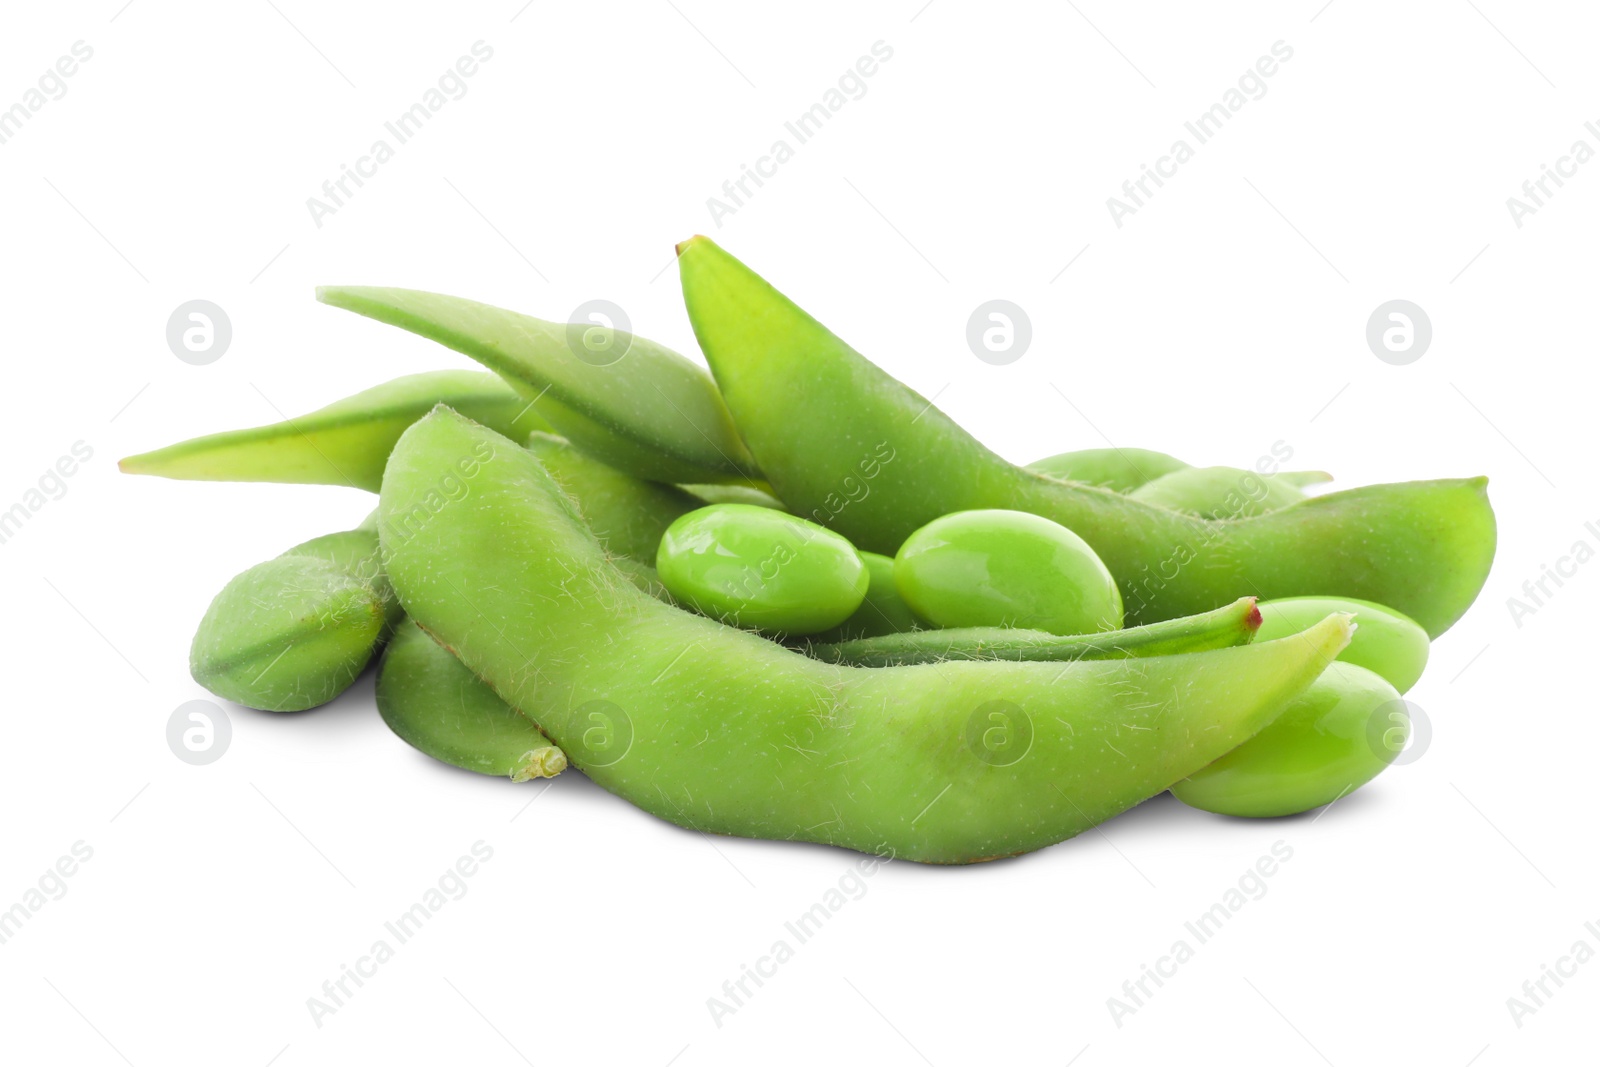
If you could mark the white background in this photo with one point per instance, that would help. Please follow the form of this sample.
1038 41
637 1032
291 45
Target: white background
1226 315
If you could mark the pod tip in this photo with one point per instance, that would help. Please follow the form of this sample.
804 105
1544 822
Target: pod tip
683 246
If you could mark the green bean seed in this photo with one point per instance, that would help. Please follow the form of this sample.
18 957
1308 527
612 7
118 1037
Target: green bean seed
1006 568
1327 742
1385 642
755 567
440 708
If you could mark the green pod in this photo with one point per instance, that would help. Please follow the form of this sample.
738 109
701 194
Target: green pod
1225 627
287 635
440 708
755 567
882 610
719 730
641 407
356 552
1120 470
844 444
1330 740
345 443
1385 642
627 514
1006 568
1220 492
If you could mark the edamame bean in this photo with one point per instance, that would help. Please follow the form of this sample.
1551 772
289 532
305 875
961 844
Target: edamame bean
1225 627
1120 470
1220 492
1322 747
1006 568
756 567
437 706
345 443
843 443
647 411
882 610
287 635
1385 642
723 731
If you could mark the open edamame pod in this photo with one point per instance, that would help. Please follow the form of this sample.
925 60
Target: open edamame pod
440 708
640 407
1225 627
345 443
1120 470
719 730
845 445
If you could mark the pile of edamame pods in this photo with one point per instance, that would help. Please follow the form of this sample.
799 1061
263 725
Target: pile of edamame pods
791 599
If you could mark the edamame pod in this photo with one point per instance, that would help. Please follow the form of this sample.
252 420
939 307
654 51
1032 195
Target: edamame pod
345 443
1226 627
356 552
1385 642
1222 492
287 635
641 407
440 708
719 730
627 514
1330 740
735 494
1120 470
844 444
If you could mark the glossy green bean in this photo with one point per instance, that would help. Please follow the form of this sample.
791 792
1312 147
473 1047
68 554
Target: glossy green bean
883 611
723 731
1385 642
651 413
1225 627
846 445
345 443
1328 741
